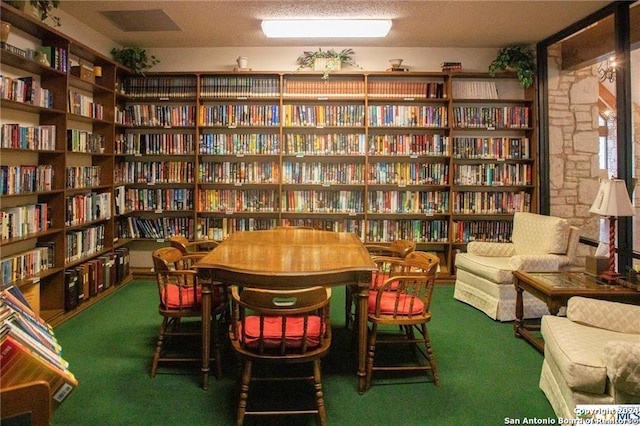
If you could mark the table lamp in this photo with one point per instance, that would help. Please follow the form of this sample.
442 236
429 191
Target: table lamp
612 201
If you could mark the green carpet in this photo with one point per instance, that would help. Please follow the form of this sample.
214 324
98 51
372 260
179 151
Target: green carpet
487 375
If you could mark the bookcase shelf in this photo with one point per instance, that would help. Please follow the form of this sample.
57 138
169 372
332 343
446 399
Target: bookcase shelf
42 136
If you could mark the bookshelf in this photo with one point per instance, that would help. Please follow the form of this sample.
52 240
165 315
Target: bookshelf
57 169
383 155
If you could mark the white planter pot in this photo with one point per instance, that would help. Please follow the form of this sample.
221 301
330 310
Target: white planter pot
327 64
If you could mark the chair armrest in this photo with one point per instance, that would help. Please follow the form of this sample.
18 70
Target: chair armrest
536 262
622 360
488 249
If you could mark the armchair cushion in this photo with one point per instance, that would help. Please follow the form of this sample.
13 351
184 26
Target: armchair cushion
540 234
294 331
179 297
388 300
614 316
623 366
489 249
536 262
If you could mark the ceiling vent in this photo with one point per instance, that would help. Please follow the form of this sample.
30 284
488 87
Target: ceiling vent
141 20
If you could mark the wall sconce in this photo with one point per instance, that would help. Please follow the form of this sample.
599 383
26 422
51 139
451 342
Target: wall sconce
607 73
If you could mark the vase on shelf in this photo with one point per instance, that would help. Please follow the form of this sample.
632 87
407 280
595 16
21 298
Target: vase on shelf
6 29
41 58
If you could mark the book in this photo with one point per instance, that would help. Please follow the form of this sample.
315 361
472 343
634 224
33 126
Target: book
19 363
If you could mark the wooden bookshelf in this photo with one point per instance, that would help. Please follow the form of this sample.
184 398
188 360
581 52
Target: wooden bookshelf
57 166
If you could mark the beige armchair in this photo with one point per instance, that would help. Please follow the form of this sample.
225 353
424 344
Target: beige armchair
484 273
591 356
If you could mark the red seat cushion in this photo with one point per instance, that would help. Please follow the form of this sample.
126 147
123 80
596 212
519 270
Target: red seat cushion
378 278
172 297
273 331
388 301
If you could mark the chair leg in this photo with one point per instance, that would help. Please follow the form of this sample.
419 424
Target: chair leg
317 380
244 391
159 344
430 357
217 343
371 354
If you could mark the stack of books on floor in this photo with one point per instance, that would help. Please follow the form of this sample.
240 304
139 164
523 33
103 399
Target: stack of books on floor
29 351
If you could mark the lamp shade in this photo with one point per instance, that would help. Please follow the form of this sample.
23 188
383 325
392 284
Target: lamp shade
612 199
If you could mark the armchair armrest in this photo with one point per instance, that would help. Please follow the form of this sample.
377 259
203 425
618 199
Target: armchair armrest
622 360
482 248
536 262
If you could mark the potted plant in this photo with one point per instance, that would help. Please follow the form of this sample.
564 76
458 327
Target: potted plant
135 58
326 60
39 8
519 58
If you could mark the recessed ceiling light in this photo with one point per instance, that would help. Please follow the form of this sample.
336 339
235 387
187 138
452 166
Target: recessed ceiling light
326 28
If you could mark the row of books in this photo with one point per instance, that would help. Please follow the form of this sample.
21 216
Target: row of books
29 350
85 208
393 89
482 202
149 115
83 141
476 89
407 116
152 87
23 265
153 172
318 173
20 221
83 177
491 147
324 144
88 279
413 202
239 172
219 228
159 200
497 231
509 117
25 90
155 144
408 144
408 173
155 228
237 201
242 115
500 174
323 115
84 242
33 138
25 179
239 144
418 230
57 57
355 226
323 201
239 87
81 104
307 88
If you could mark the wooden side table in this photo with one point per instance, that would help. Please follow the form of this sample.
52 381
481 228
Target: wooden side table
555 289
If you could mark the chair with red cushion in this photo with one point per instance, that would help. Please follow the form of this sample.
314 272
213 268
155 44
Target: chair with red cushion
180 298
397 249
280 327
401 303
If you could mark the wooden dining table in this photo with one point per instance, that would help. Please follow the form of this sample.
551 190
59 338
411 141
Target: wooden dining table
288 258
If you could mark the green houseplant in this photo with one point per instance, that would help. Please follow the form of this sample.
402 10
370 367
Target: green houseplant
42 7
518 57
328 60
135 58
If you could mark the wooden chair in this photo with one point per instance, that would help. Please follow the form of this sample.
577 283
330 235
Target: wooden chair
401 302
398 248
180 298
186 247
281 327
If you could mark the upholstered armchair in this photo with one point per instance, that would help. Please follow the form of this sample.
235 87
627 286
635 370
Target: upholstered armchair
484 273
591 356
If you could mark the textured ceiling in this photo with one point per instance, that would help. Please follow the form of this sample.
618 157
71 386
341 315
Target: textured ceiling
415 23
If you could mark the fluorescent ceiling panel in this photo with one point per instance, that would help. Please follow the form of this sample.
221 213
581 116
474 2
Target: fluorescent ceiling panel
326 28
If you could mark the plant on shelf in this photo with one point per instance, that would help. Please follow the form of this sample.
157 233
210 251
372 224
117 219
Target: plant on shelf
135 58
42 7
519 58
326 60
